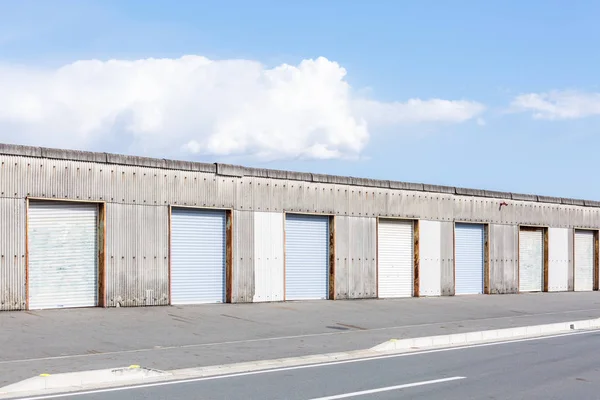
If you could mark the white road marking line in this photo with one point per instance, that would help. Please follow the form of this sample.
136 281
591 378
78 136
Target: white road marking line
389 388
269 371
277 338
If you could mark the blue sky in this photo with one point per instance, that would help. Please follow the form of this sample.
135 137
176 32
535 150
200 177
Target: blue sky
509 92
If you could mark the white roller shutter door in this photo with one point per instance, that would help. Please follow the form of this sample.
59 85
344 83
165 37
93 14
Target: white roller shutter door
198 247
63 254
395 258
306 257
531 260
584 260
469 239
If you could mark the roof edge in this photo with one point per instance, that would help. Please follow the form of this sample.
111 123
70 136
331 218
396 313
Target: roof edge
241 171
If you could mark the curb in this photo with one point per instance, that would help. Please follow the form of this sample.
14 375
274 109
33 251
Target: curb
495 335
45 384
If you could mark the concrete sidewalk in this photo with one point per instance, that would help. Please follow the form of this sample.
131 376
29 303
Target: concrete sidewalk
168 338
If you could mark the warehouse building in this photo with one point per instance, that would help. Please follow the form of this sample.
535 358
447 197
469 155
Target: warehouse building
83 229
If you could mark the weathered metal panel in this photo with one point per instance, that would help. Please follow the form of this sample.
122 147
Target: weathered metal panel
504 273
447 253
558 259
243 256
267 237
571 271
362 272
430 258
12 254
137 255
343 261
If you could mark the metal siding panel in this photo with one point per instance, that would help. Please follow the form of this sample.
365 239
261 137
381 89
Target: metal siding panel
504 270
363 262
558 259
447 257
306 257
356 259
63 255
584 260
396 258
268 256
531 261
12 254
243 257
430 258
469 258
137 266
342 257
197 256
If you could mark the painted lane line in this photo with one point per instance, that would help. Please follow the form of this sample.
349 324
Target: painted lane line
298 367
389 388
291 337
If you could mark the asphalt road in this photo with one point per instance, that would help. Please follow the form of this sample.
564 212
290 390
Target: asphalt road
167 338
565 367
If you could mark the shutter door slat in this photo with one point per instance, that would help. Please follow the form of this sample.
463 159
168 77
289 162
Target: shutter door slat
395 259
584 260
531 261
198 251
469 258
63 255
306 257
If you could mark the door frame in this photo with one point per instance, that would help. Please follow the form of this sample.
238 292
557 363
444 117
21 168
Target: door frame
530 228
486 253
228 246
596 266
101 300
331 267
416 258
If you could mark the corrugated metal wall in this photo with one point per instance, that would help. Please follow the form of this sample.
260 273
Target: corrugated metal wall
137 225
242 285
137 251
504 255
559 259
447 253
430 258
355 258
50 178
12 254
268 256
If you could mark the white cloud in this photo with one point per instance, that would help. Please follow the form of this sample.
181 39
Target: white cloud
200 106
557 105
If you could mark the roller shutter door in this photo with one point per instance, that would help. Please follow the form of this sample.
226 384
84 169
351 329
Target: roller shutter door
469 258
63 254
198 247
306 257
395 258
531 261
584 260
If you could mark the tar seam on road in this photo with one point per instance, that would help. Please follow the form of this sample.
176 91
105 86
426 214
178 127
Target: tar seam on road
389 388
188 346
283 369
